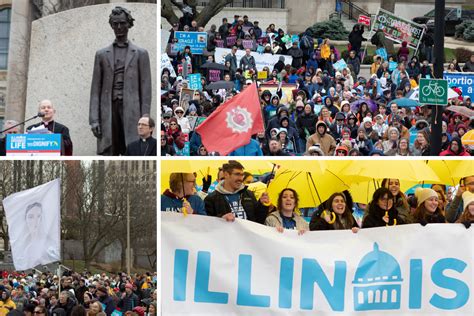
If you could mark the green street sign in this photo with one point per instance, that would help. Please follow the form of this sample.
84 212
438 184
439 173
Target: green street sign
433 91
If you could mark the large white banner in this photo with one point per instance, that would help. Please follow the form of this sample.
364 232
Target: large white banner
33 218
261 60
213 267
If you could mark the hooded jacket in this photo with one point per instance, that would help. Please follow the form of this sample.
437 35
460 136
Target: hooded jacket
449 152
7 304
217 204
326 141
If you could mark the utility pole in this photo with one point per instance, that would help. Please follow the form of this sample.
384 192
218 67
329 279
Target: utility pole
438 65
129 254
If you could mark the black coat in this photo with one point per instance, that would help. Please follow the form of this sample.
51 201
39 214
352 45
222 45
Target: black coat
308 122
375 217
3 145
142 148
319 223
217 205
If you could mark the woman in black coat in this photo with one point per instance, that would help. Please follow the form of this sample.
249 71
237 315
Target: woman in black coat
381 210
306 121
337 214
356 38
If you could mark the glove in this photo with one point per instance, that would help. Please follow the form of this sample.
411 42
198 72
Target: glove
423 222
206 183
467 224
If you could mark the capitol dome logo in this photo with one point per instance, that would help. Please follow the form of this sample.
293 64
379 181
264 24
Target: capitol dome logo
377 282
239 120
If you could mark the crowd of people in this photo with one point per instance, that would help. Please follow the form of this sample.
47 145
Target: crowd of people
230 197
77 294
330 109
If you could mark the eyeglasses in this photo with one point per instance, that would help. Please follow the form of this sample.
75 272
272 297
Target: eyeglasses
179 112
163 138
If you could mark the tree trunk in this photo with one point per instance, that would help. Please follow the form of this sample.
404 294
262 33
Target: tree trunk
168 13
214 7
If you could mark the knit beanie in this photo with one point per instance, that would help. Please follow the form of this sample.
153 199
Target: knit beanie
467 198
423 194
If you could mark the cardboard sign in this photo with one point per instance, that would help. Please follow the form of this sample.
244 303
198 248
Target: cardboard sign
363 19
262 75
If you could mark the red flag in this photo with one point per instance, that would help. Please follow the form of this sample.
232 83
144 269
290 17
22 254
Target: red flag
233 123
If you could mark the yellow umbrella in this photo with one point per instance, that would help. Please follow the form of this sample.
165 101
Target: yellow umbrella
258 188
444 169
313 188
364 177
468 138
464 168
404 170
207 167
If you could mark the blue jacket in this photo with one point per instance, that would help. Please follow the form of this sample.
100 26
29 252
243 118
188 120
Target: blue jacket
251 149
169 203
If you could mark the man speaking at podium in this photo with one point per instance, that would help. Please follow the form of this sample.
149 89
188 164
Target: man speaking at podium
46 108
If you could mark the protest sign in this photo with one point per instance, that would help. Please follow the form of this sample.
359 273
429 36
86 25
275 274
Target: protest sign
462 80
261 60
197 41
398 29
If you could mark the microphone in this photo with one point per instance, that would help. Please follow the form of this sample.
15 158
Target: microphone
40 114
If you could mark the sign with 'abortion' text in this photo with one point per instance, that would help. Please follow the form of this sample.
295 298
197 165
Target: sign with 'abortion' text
213 267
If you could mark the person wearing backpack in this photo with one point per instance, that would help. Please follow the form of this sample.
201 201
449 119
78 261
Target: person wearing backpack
307 45
378 39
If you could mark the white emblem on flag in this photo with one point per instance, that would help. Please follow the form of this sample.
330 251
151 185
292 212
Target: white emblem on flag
239 120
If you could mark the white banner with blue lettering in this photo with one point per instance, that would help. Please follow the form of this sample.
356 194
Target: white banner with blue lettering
213 267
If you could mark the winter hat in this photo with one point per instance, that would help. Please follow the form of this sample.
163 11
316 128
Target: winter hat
343 148
423 194
340 116
419 122
467 198
317 149
392 128
276 130
344 102
173 119
379 116
345 130
178 108
140 311
366 119
192 108
282 130
299 103
128 286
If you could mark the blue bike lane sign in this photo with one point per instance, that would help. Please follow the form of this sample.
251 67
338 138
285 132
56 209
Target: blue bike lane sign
433 91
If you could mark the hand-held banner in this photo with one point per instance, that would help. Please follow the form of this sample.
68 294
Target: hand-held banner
33 218
244 268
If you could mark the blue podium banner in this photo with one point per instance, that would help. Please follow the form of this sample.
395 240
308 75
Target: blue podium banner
197 41
33 145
